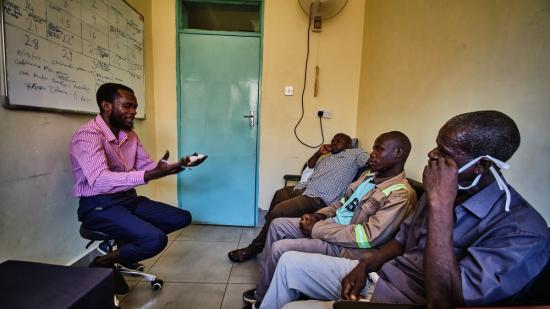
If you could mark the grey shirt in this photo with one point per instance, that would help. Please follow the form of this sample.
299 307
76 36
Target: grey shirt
498 252
333 174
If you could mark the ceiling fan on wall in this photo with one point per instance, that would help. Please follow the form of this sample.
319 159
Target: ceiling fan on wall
320 10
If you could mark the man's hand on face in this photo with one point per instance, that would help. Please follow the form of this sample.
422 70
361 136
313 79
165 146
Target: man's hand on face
307 221
325 148
354 282
440 180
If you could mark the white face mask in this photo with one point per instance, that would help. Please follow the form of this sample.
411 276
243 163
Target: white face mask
501 184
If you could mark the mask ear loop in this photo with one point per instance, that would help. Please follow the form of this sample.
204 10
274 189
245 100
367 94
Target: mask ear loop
467 166
474 183
501 184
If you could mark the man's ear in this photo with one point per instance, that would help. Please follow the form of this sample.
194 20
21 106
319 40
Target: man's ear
106 106
398 152
482 167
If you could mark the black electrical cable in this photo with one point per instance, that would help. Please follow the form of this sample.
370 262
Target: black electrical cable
303 91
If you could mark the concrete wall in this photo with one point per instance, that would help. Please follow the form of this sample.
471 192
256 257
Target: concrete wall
425 61
37 211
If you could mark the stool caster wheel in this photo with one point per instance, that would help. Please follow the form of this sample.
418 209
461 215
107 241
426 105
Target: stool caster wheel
157 284
140 267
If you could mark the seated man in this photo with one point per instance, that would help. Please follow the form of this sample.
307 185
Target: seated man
108 162
329 180
474 247
367 217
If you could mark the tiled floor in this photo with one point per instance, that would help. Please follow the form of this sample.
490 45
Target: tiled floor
196 271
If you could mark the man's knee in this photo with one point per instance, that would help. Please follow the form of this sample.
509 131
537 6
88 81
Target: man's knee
284 209
277 224
284 193
154 243
290 258
281 246
182 219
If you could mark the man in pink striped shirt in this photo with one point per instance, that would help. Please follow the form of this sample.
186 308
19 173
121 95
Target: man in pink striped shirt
108 162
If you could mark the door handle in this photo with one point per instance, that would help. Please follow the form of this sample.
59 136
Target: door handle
250 117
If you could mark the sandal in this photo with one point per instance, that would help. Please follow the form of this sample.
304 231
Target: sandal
242 255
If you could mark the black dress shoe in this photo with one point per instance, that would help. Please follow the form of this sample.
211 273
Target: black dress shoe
121 287
249 296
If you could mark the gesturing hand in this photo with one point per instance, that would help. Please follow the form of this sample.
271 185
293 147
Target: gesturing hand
192 160
169 168
163 168
354 282
440 181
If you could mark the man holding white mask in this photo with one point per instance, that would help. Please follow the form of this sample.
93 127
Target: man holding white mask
475 247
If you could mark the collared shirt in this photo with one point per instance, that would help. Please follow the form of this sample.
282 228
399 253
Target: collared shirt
333 174
105 163
498 252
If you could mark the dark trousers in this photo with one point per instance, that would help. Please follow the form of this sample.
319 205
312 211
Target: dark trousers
286 202
141 223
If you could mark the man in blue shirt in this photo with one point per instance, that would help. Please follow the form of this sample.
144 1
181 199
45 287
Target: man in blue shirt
331 176
473 241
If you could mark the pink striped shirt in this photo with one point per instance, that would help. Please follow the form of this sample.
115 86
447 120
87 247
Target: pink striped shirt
103 163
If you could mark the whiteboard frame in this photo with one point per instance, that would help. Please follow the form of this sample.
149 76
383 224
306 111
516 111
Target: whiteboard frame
4 86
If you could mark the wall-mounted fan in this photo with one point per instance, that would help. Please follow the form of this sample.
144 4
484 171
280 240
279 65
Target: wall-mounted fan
321 9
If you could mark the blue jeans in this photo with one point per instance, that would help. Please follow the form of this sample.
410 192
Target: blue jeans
136 220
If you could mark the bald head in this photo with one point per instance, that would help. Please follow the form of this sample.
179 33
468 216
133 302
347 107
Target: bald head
340 142
484 133
344 137
402 142
389 154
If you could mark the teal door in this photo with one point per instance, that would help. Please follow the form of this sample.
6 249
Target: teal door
218 91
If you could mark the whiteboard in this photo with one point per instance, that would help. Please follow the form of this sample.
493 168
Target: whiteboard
58 52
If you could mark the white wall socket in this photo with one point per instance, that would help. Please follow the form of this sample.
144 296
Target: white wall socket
289 90
327 113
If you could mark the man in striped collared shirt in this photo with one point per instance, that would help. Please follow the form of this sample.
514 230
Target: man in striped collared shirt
108 162
331 176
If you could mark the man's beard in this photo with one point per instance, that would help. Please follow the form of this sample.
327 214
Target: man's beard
117 123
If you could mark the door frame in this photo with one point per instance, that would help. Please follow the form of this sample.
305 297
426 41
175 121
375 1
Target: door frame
179 30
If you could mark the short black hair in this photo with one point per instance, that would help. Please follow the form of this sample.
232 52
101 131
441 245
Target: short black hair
486 133
402 140
345 137
109 92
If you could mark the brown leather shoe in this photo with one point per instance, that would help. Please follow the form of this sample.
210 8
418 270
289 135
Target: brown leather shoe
242 255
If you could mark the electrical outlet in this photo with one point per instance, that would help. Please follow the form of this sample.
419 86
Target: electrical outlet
289 90
325 113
